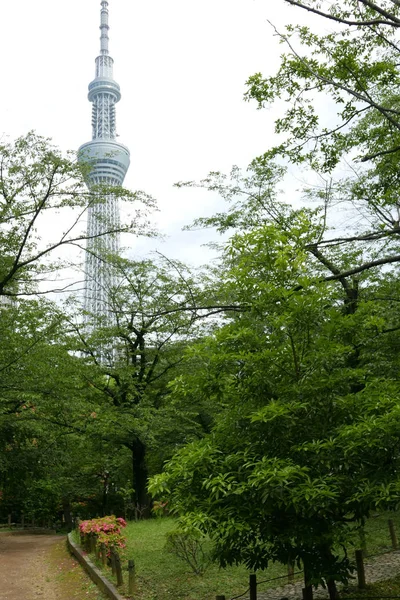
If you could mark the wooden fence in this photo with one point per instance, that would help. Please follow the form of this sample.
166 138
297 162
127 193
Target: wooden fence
90 543
307 590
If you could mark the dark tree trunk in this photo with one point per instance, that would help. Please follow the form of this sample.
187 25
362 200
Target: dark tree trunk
67 514
330 562
140 477
104 500
332 589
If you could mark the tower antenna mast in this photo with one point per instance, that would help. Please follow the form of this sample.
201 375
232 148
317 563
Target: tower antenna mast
109 162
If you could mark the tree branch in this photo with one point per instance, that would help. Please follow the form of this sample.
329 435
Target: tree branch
369 265
389 22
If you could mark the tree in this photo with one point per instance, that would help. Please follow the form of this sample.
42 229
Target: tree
354 70
307 444
37 183
355 65
158 307
43 200
54 460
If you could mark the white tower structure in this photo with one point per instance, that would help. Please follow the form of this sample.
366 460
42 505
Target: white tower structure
109 163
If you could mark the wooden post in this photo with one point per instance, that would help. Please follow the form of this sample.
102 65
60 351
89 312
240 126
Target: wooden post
112 557
253 586
290 572
393 536
360 570
103 552
118 570
22 520
9 520
131 571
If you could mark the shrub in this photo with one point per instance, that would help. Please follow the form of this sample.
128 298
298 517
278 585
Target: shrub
189 547
107 531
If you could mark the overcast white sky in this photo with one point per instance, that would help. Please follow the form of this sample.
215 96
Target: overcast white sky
182 67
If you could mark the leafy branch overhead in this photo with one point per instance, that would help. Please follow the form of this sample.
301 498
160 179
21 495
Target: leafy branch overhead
356 66
306 443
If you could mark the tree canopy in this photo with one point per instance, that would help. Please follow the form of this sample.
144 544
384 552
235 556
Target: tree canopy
279 413
306 445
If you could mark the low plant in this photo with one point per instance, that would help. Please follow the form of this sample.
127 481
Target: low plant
107 531
189 546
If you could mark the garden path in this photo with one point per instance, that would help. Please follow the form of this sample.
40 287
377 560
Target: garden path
39 567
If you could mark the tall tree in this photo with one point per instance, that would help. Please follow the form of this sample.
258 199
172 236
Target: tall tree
158 308
306 446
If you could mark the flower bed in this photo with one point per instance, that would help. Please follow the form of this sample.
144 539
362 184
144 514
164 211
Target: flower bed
106 530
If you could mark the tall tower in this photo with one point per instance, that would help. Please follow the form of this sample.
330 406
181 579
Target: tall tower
109 163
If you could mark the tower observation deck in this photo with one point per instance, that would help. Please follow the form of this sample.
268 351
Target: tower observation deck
109 163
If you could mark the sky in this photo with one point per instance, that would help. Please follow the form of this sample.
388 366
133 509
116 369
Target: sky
182 67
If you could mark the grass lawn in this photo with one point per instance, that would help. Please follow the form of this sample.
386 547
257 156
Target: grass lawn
377 537
163 576
382 589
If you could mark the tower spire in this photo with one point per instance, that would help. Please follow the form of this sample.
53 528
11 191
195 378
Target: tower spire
109 162
104 27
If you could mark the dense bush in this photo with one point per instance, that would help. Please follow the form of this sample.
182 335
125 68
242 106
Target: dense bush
107 531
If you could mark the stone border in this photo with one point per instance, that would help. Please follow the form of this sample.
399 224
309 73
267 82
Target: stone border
94 573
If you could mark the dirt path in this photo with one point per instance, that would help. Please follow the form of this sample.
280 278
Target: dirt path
39 567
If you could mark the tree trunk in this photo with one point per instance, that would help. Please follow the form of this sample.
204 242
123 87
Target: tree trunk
140 477
67 514
104 500
332 589
330 562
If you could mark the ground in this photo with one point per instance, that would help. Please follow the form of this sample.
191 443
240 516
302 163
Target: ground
39 567
377 568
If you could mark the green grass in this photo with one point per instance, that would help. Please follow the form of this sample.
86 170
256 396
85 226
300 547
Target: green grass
161 575
382 589
377 537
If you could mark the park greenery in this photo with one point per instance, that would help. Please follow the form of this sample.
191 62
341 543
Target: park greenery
259 395
163 572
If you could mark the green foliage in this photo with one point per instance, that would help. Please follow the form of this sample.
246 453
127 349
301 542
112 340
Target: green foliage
158 308
355 66
305 446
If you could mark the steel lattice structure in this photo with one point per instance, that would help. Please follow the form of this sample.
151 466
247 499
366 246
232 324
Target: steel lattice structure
109 162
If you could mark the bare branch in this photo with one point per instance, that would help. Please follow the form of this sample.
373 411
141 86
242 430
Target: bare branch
368 237
381 153
390 22
368 265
